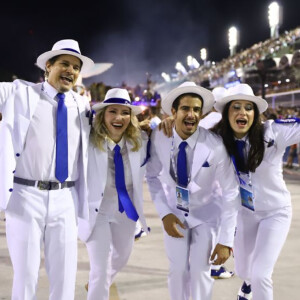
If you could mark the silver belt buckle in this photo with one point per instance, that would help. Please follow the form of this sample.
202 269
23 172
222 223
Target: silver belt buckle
48 185
44 185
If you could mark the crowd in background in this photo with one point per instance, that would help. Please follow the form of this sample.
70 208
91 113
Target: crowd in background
212 74
280 54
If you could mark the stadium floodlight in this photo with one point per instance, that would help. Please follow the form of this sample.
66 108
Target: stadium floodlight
233 38
180 68
203 54
189 61
195 63
192 62
166 77
275 19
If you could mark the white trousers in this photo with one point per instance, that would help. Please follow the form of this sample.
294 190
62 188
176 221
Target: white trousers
259 239
109 248
35 218
189 267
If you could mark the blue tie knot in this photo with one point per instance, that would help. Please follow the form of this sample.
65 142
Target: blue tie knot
61 96
117 149
240 144
182 145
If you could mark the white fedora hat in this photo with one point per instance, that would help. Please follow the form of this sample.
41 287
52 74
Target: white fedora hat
219 92
184 88
70 47
241 91
120 97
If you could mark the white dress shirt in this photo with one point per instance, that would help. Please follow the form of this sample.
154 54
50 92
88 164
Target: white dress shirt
109 205
37 161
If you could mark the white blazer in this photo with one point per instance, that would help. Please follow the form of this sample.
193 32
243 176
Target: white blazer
269 189
97 176
18 101
210 164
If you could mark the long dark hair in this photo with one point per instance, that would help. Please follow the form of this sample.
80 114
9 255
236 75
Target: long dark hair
255 137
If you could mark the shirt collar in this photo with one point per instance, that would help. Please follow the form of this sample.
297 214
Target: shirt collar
111 144
51 91
190 140
245 138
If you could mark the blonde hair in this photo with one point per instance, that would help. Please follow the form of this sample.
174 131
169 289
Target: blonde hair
99 132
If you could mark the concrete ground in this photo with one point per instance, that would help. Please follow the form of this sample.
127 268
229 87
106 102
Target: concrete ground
145 276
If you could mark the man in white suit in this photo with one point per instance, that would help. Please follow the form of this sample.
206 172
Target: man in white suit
189 248
42 200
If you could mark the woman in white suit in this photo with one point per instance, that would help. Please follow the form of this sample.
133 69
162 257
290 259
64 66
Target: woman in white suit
115 189
265 214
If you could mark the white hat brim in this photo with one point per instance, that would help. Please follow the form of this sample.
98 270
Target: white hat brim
261 104
206 95
135 109
87 63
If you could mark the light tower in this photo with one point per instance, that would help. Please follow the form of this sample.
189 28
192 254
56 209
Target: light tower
275 19
203 54
192 62
180 68
166 77
233 38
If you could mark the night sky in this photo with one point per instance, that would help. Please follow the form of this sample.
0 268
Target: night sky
137 36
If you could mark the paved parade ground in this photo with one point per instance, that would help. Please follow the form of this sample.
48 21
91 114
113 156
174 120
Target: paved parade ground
145 276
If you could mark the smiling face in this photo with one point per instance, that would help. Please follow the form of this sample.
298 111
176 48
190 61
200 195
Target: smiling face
116 119
241 116
63 73
187 116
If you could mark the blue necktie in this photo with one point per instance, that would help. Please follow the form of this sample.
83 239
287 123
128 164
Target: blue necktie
124 199
182 165
240 144
61 164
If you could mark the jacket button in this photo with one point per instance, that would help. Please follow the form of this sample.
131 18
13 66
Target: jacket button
18 154
186 215
10 190
96 209
102 195
14 171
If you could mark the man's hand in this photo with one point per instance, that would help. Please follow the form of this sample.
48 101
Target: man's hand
167 125
222 252
145 126
170 222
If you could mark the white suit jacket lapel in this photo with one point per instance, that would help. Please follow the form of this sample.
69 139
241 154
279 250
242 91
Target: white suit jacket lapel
135 162
84 120
34 95
101 159
201 153
24 112
165 154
